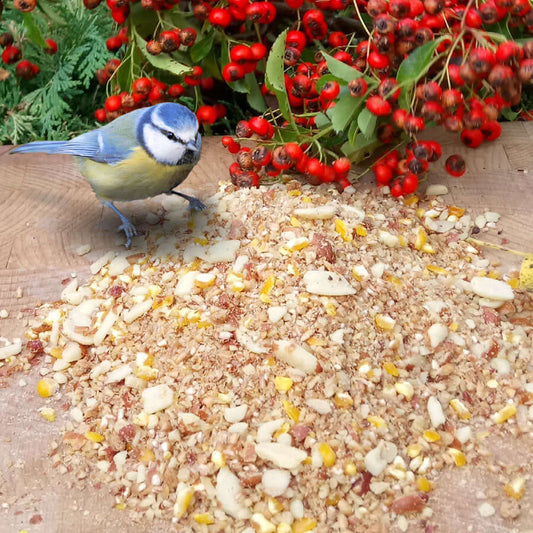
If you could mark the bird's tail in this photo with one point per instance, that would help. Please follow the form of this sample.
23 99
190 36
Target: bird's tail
43 147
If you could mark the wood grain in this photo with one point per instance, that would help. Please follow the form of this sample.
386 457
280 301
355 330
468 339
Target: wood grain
48 210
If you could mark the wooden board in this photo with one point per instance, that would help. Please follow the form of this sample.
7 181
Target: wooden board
48 210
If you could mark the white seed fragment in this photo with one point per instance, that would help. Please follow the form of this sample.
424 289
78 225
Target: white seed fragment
327 283
265 430
492 216
436 189
493 289
275 481
379 457
120 373
157 398
118 265
486 509
388 239
235 414
276 313
130 315
292 354
220 252
282 455
437 333
436 414
480 221
11 349
228 490
321 406
322 212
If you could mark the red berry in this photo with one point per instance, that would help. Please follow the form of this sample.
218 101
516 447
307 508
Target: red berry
232 72
206 114
258 50
436 150
410 184
141 86
378 61
357 87
220 17
294 151
342 165
472 138
330 90
259 126
491 130
11 54
113 103
383 173
315 168
396 189
455 166
378 106
176 90
113 43
241 54
100 115
51 47
337 39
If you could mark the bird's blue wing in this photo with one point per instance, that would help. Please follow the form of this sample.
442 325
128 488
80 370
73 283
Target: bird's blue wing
109 144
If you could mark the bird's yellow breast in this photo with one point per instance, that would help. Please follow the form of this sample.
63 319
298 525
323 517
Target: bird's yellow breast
139 176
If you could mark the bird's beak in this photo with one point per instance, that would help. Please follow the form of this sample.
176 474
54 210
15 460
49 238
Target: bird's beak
192 146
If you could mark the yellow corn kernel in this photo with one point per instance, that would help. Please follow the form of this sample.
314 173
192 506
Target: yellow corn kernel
458 456
147 456
428 249
46 387
120 506
376 421
315 341
421 238
141 419
146 372
420 212
56 352
437 270
343 399
391 369
204 518
454 326
423 484
48 413
283 527
202 241
328 455
94 437
254 243
302 525
261 524
218 458
307 200
235 281
283 429
385 322
504 414
401 240
405 388
412 200
350 469
203 324
308 460
494 274
293 269
292 411
294 192
331 309
266 288
295 223
205 280
295 245
274 505
456 211
513 283
154 290
333 499
460 409
283 383
431 435
516 488
413 450
343 230
360 230
184 496
394 280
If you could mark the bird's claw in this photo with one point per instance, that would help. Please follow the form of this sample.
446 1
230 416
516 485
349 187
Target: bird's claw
194 203
129 230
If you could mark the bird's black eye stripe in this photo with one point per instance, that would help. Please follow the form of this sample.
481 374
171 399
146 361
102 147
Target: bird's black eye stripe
169 135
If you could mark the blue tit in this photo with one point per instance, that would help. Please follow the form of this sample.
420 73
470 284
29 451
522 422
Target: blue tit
144 153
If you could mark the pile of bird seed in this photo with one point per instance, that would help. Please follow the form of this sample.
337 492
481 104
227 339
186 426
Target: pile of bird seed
291 359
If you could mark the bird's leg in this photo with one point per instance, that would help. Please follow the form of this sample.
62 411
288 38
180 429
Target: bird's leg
194 203
126 226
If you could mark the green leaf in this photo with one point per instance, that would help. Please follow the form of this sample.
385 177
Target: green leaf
274 76
32 30
509 114
200 49
161 61
342 70
322 121
328 77
352 131
255 98
274 68
343 112
417 63
361 149
367 122
49 10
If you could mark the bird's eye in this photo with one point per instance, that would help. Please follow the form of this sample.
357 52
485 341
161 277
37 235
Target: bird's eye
171 136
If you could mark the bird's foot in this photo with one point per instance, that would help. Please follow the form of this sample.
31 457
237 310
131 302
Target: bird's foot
129 230
194 203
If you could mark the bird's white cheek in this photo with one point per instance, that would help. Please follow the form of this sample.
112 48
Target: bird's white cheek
164 150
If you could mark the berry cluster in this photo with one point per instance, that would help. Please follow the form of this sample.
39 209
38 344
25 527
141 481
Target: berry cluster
12 53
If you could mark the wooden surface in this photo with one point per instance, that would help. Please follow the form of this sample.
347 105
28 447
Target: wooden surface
47 210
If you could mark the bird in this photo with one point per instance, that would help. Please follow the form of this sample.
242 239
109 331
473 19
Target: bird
146 152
